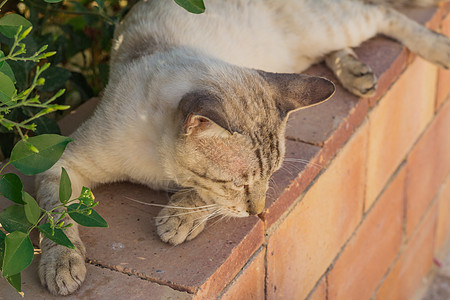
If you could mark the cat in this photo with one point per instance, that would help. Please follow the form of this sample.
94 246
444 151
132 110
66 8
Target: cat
192 104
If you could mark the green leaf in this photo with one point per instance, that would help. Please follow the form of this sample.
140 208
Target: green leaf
6 69
32 210
2 248
16 282
7 89
50 146
86 196
13 219
55 78
11 187
10 23
59 237
45 125
65 187
19 253
92 220
192 6
53 1
1 56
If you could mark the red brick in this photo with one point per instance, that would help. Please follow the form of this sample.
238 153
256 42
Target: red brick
443 225
396 123
250 282
373 248
100 284
428 165
303 246
443 91
203 266
413 264
320 292
299 169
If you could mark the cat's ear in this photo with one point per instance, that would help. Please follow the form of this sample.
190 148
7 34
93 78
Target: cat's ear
297 91
203 115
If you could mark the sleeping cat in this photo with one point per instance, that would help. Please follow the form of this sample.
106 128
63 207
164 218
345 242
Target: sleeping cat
192 104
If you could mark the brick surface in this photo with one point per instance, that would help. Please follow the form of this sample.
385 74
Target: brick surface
373 248
102 284
443 225
397 122
320 292
428 165
444 75
204 265
302 247
389 58
250 282
414 263
317 124
300 167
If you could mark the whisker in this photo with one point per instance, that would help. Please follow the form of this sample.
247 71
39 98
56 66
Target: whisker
186 213
203 221
168 206
303 161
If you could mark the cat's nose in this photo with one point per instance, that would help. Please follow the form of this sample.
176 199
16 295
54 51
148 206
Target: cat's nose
256 207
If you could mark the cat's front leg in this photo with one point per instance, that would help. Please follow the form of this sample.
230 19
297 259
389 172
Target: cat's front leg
354 75
61 270
184 217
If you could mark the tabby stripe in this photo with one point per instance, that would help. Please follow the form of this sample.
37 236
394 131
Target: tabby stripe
269 162
197 183
266 106
258 156
247 190
208 178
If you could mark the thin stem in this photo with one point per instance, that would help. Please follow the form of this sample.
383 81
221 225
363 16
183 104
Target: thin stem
20 132
3 3
4 166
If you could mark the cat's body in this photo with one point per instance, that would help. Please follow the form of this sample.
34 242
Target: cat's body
186 106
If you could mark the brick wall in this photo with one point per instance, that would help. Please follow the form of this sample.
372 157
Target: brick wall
372 221
359 210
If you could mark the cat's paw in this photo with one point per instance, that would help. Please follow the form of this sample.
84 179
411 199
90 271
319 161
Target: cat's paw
174 226
183 219
62 270
357 77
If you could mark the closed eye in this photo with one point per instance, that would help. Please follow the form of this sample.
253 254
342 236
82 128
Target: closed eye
239 187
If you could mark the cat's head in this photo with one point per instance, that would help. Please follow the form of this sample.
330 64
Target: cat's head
231 134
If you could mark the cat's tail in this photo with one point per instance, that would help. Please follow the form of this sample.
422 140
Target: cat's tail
402 3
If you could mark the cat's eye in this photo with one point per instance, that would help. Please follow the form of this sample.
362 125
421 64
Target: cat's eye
239 186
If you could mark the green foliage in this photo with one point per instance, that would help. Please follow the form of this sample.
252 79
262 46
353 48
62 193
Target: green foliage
11 187
76 36
55 234
13 219
24 78
32 210
65 187
16 250
192 6
15 282
85 216
18 254
9 24
37 154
